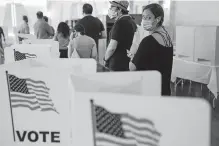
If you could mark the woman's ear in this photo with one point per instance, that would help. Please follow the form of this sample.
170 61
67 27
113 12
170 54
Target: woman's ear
158 19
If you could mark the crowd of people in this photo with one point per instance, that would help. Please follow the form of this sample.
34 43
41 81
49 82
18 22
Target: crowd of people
130 47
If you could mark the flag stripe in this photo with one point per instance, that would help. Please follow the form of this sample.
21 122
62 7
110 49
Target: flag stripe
47 104
138 120
139 125
126 124
39 91
20 95
37 86
48 109
25 101
28 80
100 137
107 144
40 95
29 96
140 139
26 106
129 132
129 142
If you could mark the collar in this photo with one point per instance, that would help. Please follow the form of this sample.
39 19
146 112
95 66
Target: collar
122 17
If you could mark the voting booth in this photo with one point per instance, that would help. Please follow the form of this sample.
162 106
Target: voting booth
35 110
25 51
198 43
109 118
197 55
137 83
54 45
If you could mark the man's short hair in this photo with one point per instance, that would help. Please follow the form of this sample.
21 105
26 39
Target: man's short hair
87 8
46 18
39 14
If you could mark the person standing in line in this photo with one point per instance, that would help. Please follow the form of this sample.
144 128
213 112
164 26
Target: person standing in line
155 51
1 35
24 28
62 36
42 30
120 37
93 26
45 18
83 44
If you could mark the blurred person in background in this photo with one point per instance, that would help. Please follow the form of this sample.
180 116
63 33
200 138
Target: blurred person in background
2 36
120 37
62 36
45 18
24 28
42 30
93 26
83 44
155 51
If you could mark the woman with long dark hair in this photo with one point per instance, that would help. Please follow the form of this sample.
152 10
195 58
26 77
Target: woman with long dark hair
62 36
155 51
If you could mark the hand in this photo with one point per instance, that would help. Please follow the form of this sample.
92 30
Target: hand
130 55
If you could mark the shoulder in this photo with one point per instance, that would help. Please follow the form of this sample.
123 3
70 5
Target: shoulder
148 40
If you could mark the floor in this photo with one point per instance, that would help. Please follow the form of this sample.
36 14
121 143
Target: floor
198 90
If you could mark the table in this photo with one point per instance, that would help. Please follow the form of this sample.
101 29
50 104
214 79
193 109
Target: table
198 72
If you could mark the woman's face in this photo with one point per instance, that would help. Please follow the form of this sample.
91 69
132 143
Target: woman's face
149 21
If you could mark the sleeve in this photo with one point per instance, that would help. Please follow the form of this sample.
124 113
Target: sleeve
101 25
94 51
117 32
48 29
70 48
55 37
144 55
135 42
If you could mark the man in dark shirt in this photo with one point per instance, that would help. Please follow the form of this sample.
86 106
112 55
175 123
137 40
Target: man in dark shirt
120 37
93 26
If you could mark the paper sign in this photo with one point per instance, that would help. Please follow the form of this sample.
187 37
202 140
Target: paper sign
36 108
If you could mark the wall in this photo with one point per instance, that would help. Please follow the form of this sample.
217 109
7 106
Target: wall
197 13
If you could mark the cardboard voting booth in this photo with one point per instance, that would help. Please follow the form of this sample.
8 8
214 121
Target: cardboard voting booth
141 83
35 108
119 119
198 43
185 42
75 66
54 45
26 51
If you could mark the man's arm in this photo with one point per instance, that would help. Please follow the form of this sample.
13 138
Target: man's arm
49 29
111 49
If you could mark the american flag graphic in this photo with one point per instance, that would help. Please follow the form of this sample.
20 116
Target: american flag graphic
21 56
114 129
28 93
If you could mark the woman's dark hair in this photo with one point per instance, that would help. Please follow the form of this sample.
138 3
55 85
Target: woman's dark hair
64 29
46 18
157 11
25 18
80 28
